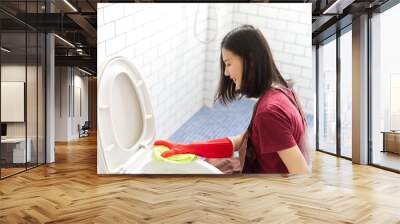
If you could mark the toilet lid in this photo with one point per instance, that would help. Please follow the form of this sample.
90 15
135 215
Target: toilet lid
125 115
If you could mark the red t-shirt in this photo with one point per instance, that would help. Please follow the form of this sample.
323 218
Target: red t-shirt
277 125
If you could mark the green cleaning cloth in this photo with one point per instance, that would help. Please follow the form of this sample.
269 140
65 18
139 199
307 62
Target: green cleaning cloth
178 158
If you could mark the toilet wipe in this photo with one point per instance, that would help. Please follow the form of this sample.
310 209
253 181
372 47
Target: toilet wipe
178 158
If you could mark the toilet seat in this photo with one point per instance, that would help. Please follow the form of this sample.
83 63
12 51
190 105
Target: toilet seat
126 126
125 116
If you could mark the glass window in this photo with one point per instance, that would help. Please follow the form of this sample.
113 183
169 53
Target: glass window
346 94
31 101
22 91
41 79
385 87
327 96
13 87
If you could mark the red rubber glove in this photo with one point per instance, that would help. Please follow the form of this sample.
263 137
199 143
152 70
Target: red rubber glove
216 148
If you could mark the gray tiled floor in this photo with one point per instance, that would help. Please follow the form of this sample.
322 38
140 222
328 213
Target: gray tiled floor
215 122
219 121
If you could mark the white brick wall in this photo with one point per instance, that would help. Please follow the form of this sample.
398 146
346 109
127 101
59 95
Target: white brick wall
287 28
178 56
159 40
224 18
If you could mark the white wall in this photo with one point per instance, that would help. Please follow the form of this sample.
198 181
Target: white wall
33 127
15 72
287 28
176 49
67 79
61 103
79 117
159 39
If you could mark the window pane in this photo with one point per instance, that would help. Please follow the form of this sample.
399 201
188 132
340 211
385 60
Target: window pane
386 89
41 98
13 87
327 97
31 101
346 94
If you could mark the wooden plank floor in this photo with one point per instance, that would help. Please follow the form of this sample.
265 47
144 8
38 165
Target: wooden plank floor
70 191
10 171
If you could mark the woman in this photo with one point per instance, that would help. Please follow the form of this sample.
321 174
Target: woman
275 139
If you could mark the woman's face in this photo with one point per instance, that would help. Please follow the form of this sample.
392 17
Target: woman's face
233 67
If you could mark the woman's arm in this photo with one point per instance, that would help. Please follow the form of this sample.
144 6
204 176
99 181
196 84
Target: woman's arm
237 141
294 160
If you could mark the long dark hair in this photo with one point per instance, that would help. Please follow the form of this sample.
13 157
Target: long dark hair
259 69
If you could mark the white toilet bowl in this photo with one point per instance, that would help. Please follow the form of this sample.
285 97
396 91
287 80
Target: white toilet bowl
126 128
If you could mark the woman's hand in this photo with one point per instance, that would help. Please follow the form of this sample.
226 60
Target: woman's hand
237 140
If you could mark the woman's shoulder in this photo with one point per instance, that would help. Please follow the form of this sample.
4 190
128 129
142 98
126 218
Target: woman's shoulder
273 99
274 102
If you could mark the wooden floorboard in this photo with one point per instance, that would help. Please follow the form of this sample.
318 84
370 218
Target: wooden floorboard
70 191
